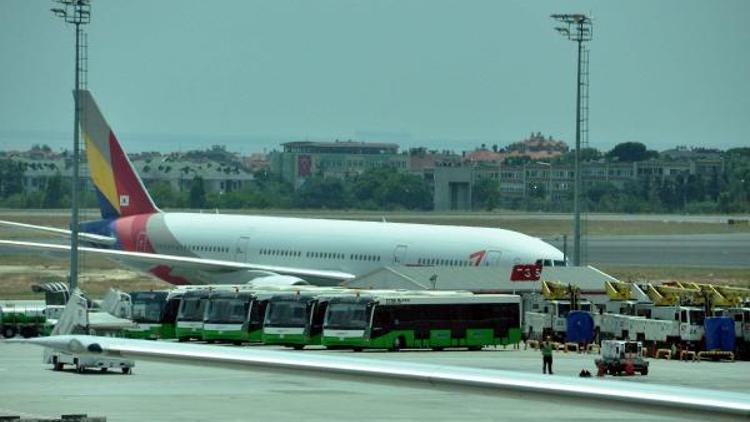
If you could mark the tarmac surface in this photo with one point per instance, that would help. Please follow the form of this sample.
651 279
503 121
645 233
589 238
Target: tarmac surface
160 391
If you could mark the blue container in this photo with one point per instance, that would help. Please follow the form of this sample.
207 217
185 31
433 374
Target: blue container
719 333
712 328
580 327
728 337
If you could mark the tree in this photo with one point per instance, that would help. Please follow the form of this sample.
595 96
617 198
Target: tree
485 194
11 177
318 192
197 197
630 152
54 192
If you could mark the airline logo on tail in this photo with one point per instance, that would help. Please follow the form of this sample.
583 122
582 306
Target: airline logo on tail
119 190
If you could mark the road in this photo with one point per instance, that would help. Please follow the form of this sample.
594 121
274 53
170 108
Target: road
699 250
160 391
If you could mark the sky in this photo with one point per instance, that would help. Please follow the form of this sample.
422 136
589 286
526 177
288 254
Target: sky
182 74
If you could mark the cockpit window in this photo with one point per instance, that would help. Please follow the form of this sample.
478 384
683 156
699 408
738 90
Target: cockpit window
559 263
547 262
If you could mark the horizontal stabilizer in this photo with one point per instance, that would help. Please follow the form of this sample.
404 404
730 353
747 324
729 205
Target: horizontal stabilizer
86 237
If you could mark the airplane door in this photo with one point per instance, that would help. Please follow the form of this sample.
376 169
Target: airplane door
399 255
240 249
492 259
141 242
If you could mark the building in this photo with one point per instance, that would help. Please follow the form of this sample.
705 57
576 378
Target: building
179 171
555 182
301 160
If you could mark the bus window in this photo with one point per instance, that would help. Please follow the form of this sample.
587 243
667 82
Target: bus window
286 314
347 316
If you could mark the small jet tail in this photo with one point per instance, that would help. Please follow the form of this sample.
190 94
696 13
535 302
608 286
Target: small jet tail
119 190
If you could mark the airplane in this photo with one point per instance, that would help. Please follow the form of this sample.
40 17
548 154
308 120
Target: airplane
195 248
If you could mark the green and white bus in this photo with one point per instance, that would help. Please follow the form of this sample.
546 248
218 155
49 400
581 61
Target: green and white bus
155 314
296 319
422 320
227 316
191 314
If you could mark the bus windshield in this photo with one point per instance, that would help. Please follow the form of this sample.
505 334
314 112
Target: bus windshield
347 316
286 314
148 307
227 310
191 309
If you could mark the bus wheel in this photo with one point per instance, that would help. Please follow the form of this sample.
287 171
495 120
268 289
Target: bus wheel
126 371
9 331
437 349
298 347
475 348
357 349
80 369
104 369
27 332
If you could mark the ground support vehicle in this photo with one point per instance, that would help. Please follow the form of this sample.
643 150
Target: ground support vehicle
549 318
227 316
190 315
22 318
75 320
154 313
422 320
741 317
621 356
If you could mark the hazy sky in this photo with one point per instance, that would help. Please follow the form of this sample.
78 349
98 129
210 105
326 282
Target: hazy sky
176 73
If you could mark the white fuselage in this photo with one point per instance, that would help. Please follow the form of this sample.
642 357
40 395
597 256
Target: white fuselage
355 247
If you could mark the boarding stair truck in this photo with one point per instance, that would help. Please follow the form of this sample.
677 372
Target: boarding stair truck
547 313
116 303
56 296
24 317
620 356
75 320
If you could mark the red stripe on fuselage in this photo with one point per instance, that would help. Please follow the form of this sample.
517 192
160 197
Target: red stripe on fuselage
164 273
132 233
131 195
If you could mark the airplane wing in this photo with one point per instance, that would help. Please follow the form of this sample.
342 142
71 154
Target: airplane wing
214 266
87 237
589 392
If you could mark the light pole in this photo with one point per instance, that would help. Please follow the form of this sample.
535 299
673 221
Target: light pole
578 28
76 12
